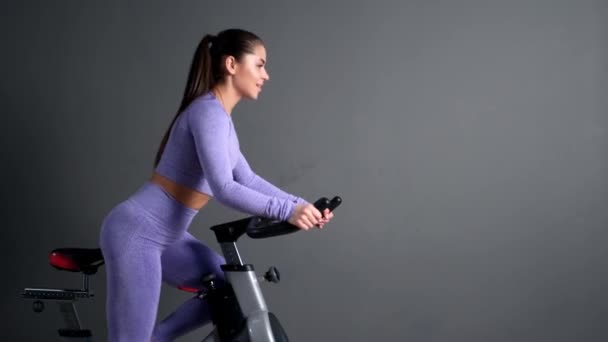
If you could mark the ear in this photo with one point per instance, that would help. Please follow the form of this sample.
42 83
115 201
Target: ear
230 64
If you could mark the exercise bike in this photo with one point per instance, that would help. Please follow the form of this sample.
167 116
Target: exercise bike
238 309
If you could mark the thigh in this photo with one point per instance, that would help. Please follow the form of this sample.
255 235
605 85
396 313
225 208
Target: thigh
188 260
133 291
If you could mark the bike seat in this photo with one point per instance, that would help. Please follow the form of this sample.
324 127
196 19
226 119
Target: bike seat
86 260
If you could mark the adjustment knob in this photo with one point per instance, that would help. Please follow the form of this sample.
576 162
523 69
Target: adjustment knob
209 281
273 275
38 306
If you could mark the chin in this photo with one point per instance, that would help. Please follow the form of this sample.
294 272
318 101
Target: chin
251 95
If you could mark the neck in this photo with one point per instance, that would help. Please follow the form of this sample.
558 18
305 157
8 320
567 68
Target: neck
227 96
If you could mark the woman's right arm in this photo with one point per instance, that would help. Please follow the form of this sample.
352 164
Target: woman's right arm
245 175
210 131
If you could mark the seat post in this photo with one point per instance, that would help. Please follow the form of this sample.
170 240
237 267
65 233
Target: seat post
85 283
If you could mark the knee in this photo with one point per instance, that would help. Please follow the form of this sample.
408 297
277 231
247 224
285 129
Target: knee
214 268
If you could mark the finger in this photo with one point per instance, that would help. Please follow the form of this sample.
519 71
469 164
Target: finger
306 221
315 212
313 219
302 224
322 222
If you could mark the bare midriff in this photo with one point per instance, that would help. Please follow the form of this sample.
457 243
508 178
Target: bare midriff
183 194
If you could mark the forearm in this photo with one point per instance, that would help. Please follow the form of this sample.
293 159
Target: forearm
261 185
253 201
246 176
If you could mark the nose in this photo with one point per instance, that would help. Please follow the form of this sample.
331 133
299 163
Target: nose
265 76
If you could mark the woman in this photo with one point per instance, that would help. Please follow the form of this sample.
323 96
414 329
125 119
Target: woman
144 239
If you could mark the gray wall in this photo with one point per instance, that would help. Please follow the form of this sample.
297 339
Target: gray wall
467 138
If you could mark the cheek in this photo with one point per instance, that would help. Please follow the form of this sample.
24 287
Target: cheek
246 82
249 79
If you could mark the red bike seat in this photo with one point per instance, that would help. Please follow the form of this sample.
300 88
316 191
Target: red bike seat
85 260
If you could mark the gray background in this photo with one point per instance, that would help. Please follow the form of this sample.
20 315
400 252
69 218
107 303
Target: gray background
467 138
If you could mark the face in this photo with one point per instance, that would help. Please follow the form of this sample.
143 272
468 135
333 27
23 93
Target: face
249 74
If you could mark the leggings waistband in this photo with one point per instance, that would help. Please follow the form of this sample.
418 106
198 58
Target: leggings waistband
163 207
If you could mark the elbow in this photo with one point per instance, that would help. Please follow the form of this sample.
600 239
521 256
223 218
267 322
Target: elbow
221 192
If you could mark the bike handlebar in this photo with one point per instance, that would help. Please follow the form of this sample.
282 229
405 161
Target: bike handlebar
257 227
260 228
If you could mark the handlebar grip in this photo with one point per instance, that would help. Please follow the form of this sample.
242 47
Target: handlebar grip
322 204
260 228
334 203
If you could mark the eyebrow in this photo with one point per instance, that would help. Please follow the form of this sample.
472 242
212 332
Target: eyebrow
263 60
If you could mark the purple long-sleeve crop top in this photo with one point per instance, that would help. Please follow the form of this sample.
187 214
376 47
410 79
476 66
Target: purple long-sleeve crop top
203 153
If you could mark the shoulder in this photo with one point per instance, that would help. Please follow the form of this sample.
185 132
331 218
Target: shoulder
204 112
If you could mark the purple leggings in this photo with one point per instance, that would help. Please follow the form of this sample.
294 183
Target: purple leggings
145 241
